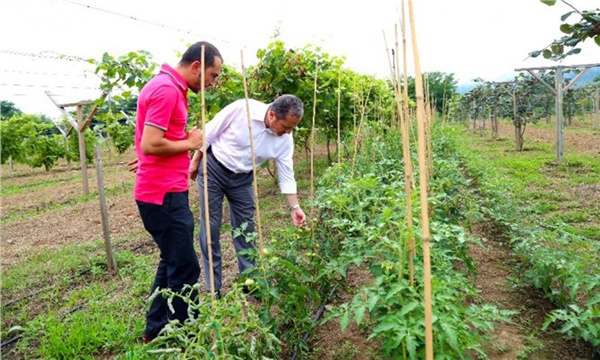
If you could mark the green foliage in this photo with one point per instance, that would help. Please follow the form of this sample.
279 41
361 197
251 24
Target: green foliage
30 139
229 87
44 150
366 216
441 88
579 322
132 70
292 71
8 110
13 133
587 27
90 143
121 135
232 329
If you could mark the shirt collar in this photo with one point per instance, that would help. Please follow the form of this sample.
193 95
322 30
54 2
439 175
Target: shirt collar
175 76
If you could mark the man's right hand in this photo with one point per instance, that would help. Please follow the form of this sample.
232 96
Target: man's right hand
195 138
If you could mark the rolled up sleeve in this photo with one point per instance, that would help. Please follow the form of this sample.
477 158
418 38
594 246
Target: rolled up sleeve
285 170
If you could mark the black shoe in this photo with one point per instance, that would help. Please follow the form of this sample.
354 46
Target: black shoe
146 339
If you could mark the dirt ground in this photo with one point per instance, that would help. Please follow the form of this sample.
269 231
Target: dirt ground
577 138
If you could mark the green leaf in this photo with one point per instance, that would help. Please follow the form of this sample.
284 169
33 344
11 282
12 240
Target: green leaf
345 320
597 40
359 314
566 28
535 54
549 2
565 16
547 54
372 302
450 337
408 308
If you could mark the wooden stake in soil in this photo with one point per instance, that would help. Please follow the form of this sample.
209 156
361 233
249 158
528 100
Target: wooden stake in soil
255 182
110 256
211 273
408 170
339 135
312 159
363 107
423 189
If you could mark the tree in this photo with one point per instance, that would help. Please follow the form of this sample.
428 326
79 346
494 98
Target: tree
31 139
588 27
7 110
442 87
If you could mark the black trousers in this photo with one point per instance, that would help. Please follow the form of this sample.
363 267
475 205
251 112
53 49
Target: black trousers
172 227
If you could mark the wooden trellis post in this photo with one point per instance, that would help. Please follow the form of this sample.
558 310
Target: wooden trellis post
80 125
558 91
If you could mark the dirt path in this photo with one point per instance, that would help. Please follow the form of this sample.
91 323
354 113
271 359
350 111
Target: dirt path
523 338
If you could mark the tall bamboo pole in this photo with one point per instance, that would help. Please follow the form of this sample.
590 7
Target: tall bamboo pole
428 124
339 133
408 168
363 106
211 276
312 159
423 189
255 182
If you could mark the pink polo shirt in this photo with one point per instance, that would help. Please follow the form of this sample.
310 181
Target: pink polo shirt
163 104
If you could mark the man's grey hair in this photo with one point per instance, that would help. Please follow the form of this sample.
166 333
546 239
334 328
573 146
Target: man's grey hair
287 105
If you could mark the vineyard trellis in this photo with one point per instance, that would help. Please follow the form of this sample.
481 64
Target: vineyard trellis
558 90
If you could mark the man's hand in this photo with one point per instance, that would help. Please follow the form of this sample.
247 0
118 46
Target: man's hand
298 216
132 165
195 138
195 164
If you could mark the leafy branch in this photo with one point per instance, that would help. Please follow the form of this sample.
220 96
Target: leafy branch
587 27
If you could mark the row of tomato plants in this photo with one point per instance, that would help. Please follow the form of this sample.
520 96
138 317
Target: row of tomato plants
561 263
361 222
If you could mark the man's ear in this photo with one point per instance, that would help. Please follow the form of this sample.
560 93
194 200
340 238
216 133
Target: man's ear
197 66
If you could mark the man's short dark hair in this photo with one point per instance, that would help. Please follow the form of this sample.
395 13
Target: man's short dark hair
194 53
287 105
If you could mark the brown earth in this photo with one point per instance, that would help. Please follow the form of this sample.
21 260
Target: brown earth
577 137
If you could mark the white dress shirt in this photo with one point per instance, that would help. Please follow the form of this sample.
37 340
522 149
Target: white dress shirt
227 133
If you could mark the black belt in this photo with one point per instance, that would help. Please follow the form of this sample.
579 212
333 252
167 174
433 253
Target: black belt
210 152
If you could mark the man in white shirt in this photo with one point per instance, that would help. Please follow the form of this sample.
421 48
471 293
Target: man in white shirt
229 170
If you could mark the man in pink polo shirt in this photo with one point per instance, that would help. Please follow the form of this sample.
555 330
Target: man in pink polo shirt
161 184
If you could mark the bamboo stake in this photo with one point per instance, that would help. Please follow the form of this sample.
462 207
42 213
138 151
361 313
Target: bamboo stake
255 182
423 189
312 160
408 170
211 276
408 113
363 107
339 135
428 124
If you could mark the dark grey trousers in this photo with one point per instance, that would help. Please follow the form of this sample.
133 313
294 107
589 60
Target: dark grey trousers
238 190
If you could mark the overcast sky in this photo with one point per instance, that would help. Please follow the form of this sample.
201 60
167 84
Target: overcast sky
469 38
